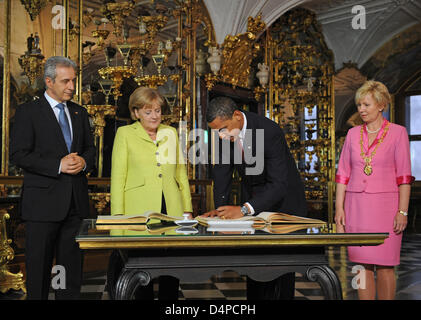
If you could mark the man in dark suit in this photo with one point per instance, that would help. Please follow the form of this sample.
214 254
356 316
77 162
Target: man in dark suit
53 144
270 180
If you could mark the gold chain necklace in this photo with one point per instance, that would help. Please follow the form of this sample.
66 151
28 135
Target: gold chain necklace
368 169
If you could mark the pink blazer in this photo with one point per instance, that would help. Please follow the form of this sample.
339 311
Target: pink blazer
391 164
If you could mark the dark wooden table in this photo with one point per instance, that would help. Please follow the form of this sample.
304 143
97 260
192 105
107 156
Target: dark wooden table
197 256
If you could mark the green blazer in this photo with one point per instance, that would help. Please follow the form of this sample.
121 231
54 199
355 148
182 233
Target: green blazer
142 170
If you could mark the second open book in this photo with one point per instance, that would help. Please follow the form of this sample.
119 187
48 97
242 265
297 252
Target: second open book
260 220
265 218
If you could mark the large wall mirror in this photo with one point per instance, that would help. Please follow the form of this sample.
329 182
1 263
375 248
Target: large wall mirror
118 46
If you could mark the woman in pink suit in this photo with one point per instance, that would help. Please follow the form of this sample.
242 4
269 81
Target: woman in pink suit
373 188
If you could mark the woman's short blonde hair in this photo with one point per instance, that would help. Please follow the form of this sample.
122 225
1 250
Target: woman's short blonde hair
378 91
144 97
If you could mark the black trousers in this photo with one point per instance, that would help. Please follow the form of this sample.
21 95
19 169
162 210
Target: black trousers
43 241
282 288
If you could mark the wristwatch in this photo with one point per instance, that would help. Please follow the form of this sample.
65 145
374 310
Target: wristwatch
403 213
245 210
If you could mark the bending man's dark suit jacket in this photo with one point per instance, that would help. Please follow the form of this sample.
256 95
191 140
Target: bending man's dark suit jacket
37 146
278 188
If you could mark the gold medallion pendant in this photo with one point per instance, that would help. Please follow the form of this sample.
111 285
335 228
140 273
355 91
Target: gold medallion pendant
368 169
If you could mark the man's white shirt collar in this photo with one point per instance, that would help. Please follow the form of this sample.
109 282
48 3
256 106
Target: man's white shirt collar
53 103
243 130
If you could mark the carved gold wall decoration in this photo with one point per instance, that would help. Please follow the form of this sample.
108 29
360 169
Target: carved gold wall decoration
117 12
32 65
151 81
154 23
238 52
34 7
32 62
101 199
101 36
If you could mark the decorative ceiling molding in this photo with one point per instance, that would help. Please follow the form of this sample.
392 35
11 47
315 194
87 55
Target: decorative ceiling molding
384 20
230 17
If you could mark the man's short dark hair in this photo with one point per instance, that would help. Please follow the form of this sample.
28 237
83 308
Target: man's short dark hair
222 107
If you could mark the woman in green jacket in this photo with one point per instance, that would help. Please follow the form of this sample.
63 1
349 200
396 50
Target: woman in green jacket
148 171
147 164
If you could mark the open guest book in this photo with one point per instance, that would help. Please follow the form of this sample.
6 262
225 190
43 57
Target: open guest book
261 220
136 219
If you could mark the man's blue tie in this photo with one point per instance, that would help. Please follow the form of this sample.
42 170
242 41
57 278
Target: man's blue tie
64 124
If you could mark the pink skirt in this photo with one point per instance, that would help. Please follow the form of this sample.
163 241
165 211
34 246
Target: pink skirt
372 213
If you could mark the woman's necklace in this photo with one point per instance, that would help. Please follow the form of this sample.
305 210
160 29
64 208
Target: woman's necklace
368 169
374 130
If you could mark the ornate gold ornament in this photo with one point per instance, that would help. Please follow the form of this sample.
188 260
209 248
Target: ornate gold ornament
101 199
238 52
34 7
100 34
32 61
32 65
152 24
151 81
8 280
117 75
98 114
159 59
117 12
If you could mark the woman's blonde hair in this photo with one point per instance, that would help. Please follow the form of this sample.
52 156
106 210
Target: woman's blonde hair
378 91
143 97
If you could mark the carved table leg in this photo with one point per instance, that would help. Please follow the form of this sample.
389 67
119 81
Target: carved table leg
128 281
115 266
328 280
